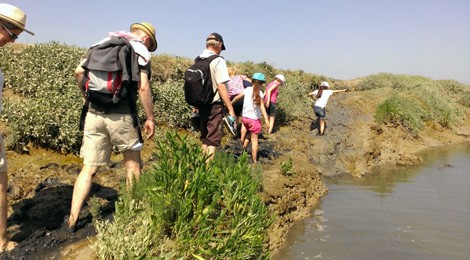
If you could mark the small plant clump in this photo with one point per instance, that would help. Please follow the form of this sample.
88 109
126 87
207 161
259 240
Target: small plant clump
286 168
186 208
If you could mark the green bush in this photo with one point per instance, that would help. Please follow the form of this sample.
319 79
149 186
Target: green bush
170 106
401 110
387 80
47 114
185 208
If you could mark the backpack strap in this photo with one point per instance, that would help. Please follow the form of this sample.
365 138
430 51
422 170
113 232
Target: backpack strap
210 59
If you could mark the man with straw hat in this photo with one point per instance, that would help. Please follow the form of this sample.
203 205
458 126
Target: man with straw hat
12 24
114 124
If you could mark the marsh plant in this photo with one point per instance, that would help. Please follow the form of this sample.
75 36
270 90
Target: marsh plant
286 168
186 208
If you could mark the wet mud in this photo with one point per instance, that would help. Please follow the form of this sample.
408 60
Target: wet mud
41 182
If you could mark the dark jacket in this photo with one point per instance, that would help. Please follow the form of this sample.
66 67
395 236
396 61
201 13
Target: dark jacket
114 55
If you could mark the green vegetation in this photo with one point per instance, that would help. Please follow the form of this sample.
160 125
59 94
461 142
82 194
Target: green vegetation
184 208
45 107
416 100
286 168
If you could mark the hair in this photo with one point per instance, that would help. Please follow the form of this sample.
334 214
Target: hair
232 71
320 91
212 42
256 88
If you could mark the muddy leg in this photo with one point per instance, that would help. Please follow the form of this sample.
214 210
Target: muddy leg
4 243
80 192
254 147
322 127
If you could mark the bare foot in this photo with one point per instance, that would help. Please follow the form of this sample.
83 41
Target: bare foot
8 246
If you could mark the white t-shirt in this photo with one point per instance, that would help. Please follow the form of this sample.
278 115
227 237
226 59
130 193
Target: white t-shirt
219 71
321 102
249 109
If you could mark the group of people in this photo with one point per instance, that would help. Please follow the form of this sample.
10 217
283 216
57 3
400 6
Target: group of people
251 104
115 125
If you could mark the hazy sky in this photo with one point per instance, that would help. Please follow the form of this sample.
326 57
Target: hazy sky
343 39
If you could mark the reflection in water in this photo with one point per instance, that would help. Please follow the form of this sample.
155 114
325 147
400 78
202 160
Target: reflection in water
413 213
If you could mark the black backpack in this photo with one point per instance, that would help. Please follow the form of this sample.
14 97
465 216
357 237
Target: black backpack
198 89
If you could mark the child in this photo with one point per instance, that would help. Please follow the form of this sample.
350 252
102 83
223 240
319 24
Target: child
253 108
322 95
270 99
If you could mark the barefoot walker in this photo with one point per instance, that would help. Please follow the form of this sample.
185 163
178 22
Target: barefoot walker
322 95
111 119
12 23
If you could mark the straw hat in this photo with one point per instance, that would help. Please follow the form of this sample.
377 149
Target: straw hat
13 15
149 30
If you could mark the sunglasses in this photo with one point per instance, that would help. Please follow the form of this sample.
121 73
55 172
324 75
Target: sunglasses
12 35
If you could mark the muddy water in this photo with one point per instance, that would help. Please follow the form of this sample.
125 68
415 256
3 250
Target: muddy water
416 213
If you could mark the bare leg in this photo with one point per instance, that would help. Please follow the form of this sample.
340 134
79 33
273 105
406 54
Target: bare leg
247 140
209 150
271 124
132 162
243 134
80 192
254 147
5 244
322 126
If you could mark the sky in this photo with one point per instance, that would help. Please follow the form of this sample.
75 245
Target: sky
341 39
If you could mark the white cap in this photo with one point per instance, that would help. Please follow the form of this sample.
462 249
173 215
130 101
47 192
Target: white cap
281 78
324 84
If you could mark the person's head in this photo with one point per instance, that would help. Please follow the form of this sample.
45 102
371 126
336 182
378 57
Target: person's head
324 85
280 78
215 43
146 32
257 80
12 23
232 71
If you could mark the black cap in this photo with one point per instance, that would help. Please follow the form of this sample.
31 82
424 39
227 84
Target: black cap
217 37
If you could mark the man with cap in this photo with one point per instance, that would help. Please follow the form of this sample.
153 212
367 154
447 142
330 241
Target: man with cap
115 125
211 115
12 24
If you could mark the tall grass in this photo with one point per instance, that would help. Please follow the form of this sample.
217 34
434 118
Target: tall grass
185 208
416 100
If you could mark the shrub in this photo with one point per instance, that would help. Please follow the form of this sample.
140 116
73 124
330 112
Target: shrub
170 106
401 110
47 113
185 208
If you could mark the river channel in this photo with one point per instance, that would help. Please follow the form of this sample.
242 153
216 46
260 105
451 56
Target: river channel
420 212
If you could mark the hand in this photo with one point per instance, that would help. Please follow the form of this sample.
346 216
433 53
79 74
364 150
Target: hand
149 129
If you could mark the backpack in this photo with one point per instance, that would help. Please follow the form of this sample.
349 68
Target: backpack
198 90
103 83
103 88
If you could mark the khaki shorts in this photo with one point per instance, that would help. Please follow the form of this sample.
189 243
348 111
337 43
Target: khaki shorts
102 132
3 157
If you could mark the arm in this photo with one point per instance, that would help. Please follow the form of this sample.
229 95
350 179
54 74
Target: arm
268 94
265 115
79 77
339 90
145 97
237 98
222 87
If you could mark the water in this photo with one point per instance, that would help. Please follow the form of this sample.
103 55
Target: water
415 213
